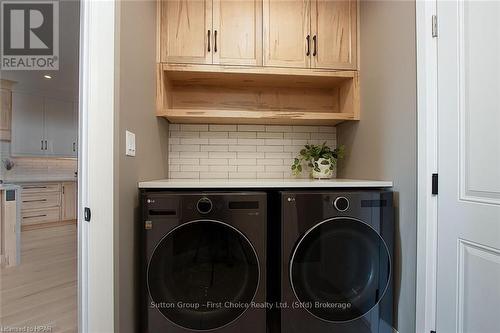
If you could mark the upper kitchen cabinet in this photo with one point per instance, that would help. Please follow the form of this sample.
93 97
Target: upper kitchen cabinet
60 127
6 109
287 33
224 32
310 34
43 127
237 32
27 125
334 34
186 31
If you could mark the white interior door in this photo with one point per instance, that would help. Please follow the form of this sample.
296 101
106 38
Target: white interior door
468 269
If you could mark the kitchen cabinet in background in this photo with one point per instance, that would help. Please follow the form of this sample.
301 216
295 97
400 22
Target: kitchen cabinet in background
69 200
48 202
6 109
43 127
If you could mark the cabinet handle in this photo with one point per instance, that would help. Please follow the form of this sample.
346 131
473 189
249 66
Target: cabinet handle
41 144
34 216
74 146
215 43
63 189
308 48
315 46
208 40
45 144
38 200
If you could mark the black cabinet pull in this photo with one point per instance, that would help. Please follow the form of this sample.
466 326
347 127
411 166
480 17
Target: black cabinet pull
45 144
215 43
315 46
208 40
41 142
308 48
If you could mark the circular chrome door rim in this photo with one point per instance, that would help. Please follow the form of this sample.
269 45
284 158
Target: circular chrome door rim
298 245
193 222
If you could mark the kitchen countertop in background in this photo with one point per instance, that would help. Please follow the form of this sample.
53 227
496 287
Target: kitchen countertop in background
40 180
262 183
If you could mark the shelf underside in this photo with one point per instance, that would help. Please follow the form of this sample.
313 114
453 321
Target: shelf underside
193 94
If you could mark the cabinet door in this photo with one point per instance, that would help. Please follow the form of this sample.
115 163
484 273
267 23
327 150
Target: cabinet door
27 125
69 206
59 127
5 114
286 28
237 32
75 131
185 26
334 33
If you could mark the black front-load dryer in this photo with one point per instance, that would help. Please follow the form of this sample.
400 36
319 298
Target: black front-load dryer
337 262
205 260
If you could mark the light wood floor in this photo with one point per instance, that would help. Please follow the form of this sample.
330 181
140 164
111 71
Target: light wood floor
43 289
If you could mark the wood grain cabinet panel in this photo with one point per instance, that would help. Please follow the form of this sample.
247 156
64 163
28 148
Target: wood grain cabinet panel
5 114
334 34
185 26
286 25
68 204
237 32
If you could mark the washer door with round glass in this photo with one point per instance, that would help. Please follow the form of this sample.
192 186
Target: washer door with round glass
340 269
202 274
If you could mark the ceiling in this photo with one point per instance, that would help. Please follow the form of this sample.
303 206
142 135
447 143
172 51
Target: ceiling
64 82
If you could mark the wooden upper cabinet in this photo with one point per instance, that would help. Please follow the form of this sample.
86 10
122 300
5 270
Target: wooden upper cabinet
237 32
286 25
184 31
334 34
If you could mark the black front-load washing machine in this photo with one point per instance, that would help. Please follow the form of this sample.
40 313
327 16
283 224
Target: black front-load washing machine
337 255
205 261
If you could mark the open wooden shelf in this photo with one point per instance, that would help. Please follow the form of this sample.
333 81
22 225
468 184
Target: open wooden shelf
256 95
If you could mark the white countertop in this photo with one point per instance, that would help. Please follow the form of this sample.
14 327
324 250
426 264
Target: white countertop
5 187
261 183
41 180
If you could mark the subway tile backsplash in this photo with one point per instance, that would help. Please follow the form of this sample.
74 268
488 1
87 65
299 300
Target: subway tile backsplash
240 151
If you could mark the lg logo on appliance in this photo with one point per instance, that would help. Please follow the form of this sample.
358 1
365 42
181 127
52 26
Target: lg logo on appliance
30 35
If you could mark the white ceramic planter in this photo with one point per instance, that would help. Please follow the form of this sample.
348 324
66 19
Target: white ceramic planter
324 173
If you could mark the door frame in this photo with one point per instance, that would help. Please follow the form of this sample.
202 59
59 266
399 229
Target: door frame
427 164
96 157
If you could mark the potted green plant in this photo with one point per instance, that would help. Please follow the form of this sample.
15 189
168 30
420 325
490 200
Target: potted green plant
320 158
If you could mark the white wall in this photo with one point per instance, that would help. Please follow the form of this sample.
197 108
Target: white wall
383 144
240 151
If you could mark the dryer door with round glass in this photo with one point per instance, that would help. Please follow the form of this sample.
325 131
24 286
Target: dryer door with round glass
202 274
340 269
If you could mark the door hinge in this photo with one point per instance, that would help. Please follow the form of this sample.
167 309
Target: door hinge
87 214
435 183
434 26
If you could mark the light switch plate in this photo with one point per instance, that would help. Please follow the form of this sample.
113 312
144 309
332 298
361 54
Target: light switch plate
129 143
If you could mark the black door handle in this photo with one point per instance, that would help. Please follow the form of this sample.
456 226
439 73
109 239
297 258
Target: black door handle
208 40
308 48
215 43
315 46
